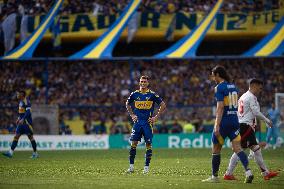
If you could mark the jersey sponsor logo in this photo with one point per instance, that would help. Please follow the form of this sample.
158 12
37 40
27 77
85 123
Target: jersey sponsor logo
143 105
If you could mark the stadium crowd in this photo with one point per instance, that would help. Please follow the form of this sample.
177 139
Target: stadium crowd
35 7
95 92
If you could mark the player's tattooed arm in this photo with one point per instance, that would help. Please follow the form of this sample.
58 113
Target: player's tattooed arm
160 111
132 115
219 114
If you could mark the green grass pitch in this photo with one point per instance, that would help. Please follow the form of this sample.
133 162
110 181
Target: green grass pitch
170 168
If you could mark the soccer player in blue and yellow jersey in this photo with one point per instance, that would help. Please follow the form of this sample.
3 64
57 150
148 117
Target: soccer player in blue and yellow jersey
140 106
226 123
24 125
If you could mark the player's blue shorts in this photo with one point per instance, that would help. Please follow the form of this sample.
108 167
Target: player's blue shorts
142 128
229 127
24 129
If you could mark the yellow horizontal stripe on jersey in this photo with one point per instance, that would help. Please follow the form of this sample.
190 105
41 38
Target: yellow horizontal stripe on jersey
143 105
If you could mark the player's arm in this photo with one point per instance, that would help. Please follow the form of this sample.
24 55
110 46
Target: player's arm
129 109
161 110
219 95
219 114
256 111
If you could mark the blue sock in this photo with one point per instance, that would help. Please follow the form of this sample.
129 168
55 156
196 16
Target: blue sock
244 159
132 154
33 145
14 144
148 156
216 160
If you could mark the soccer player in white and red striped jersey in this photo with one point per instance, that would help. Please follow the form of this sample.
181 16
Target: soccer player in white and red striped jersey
248 111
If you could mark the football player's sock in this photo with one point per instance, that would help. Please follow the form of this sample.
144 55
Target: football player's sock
132 154
14 145
216 159
233 163
259 159
33 142
244 159
148 156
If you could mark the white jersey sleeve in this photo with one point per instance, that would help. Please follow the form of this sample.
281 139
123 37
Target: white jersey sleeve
255 108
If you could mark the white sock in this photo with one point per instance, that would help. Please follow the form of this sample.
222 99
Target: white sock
232 165
131 166
11 151
251 153
259 160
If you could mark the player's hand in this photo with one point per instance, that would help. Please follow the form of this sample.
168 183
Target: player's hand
134 118
17 122
269 123
152 120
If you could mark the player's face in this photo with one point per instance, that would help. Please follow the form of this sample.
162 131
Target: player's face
258 88
143 83
19 96
214 77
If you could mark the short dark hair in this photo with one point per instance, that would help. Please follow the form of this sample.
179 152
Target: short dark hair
255 81
22 92
222 72
145 77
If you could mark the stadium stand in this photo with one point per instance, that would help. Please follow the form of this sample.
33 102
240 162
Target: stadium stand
103 86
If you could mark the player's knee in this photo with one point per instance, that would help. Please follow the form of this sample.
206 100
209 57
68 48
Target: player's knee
134 144
31 137
148 146
216 148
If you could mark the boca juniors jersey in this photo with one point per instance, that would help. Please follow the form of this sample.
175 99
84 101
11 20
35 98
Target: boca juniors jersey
143 103
25 105
228 93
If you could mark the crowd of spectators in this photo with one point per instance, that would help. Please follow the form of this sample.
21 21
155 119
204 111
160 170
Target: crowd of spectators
96 91
35 7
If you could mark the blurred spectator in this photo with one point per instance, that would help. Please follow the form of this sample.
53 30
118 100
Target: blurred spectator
36 7
87 127
102 88
163 128
176 127
188 128
100 128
